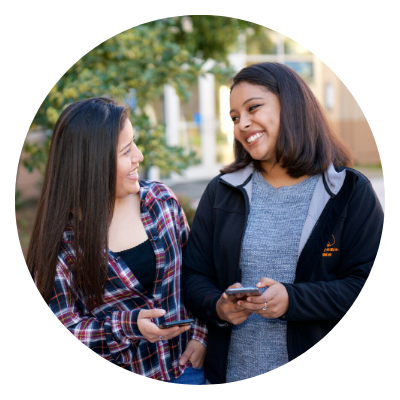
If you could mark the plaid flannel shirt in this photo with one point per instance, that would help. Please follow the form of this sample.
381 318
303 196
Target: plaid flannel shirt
111 329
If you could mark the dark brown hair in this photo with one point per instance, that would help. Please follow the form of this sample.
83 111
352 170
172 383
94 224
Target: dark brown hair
306 144
80 177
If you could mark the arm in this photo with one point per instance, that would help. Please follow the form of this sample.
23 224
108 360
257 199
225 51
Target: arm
330 300
114 337
198 272
361 236
198 329
200 282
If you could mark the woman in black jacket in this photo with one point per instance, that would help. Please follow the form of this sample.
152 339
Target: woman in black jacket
289 216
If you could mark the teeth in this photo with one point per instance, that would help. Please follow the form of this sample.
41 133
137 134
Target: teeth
254 137
132 172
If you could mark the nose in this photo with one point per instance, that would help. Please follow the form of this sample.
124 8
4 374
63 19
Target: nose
137 155
244 122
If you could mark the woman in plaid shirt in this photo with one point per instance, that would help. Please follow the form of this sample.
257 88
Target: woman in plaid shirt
106 248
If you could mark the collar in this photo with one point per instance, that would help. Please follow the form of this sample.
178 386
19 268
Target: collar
334 179
241 179
151 191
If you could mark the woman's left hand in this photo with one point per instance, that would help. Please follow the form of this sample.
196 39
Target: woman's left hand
195 352
275 299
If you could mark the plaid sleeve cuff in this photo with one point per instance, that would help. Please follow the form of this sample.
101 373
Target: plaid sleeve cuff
128 325
199 331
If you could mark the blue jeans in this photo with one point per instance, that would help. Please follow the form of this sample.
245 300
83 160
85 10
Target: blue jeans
191 376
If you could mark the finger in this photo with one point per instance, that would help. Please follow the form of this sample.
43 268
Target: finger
225 298
166 332
264 298
266 282
240 314
154 313
250 306
235 285
175 333
185 357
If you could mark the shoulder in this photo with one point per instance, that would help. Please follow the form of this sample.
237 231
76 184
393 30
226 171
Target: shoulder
359 177
212 185
151 191
363 193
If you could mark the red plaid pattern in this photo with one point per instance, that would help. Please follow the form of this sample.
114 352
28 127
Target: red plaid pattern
111 329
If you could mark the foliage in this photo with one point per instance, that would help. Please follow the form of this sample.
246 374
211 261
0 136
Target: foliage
18 201
134 66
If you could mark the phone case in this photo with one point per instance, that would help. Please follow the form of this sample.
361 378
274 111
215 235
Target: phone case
250 291
166 325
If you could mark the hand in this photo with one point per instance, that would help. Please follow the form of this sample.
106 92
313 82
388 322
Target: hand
195 352
275 297
229 310
151 331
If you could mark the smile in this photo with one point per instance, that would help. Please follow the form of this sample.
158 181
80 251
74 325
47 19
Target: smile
252 138
133 173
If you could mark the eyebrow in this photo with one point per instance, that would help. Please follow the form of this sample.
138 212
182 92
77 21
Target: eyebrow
120 151
244 103
124 147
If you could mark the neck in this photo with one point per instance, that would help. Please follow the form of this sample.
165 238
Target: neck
126 201
277 176
275 171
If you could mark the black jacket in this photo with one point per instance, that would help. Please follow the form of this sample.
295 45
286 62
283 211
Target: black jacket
333 265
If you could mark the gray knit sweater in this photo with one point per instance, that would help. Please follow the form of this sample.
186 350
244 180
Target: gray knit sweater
269 249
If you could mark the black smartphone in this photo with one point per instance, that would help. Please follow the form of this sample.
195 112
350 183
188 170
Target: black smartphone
183 322
243 291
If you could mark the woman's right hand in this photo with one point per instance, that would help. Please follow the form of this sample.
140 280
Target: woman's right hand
228 310
151 331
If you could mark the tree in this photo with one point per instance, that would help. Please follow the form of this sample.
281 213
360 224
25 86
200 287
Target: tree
134 66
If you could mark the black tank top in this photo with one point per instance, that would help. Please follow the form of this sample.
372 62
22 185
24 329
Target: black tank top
141 260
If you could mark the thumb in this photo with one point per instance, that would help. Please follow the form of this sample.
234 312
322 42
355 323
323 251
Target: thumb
185 357
266 282
154 313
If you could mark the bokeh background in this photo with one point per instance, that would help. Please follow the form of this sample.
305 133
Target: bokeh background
175 74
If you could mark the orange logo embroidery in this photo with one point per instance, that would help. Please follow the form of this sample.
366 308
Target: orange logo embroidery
329 249
331 241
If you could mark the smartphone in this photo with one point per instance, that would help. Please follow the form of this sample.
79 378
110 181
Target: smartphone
243 292
183 322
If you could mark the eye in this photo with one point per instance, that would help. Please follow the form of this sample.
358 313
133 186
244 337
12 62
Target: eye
129 149
254 107
234 119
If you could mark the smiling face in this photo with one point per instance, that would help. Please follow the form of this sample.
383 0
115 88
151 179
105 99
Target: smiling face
128 158
255 113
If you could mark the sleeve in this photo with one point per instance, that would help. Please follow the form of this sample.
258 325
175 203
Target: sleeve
115 336
200 288
361 236
198 330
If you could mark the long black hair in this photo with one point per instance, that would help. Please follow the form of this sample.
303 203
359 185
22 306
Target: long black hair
306 143
80 180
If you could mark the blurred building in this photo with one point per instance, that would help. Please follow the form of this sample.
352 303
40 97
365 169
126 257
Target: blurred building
203 124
